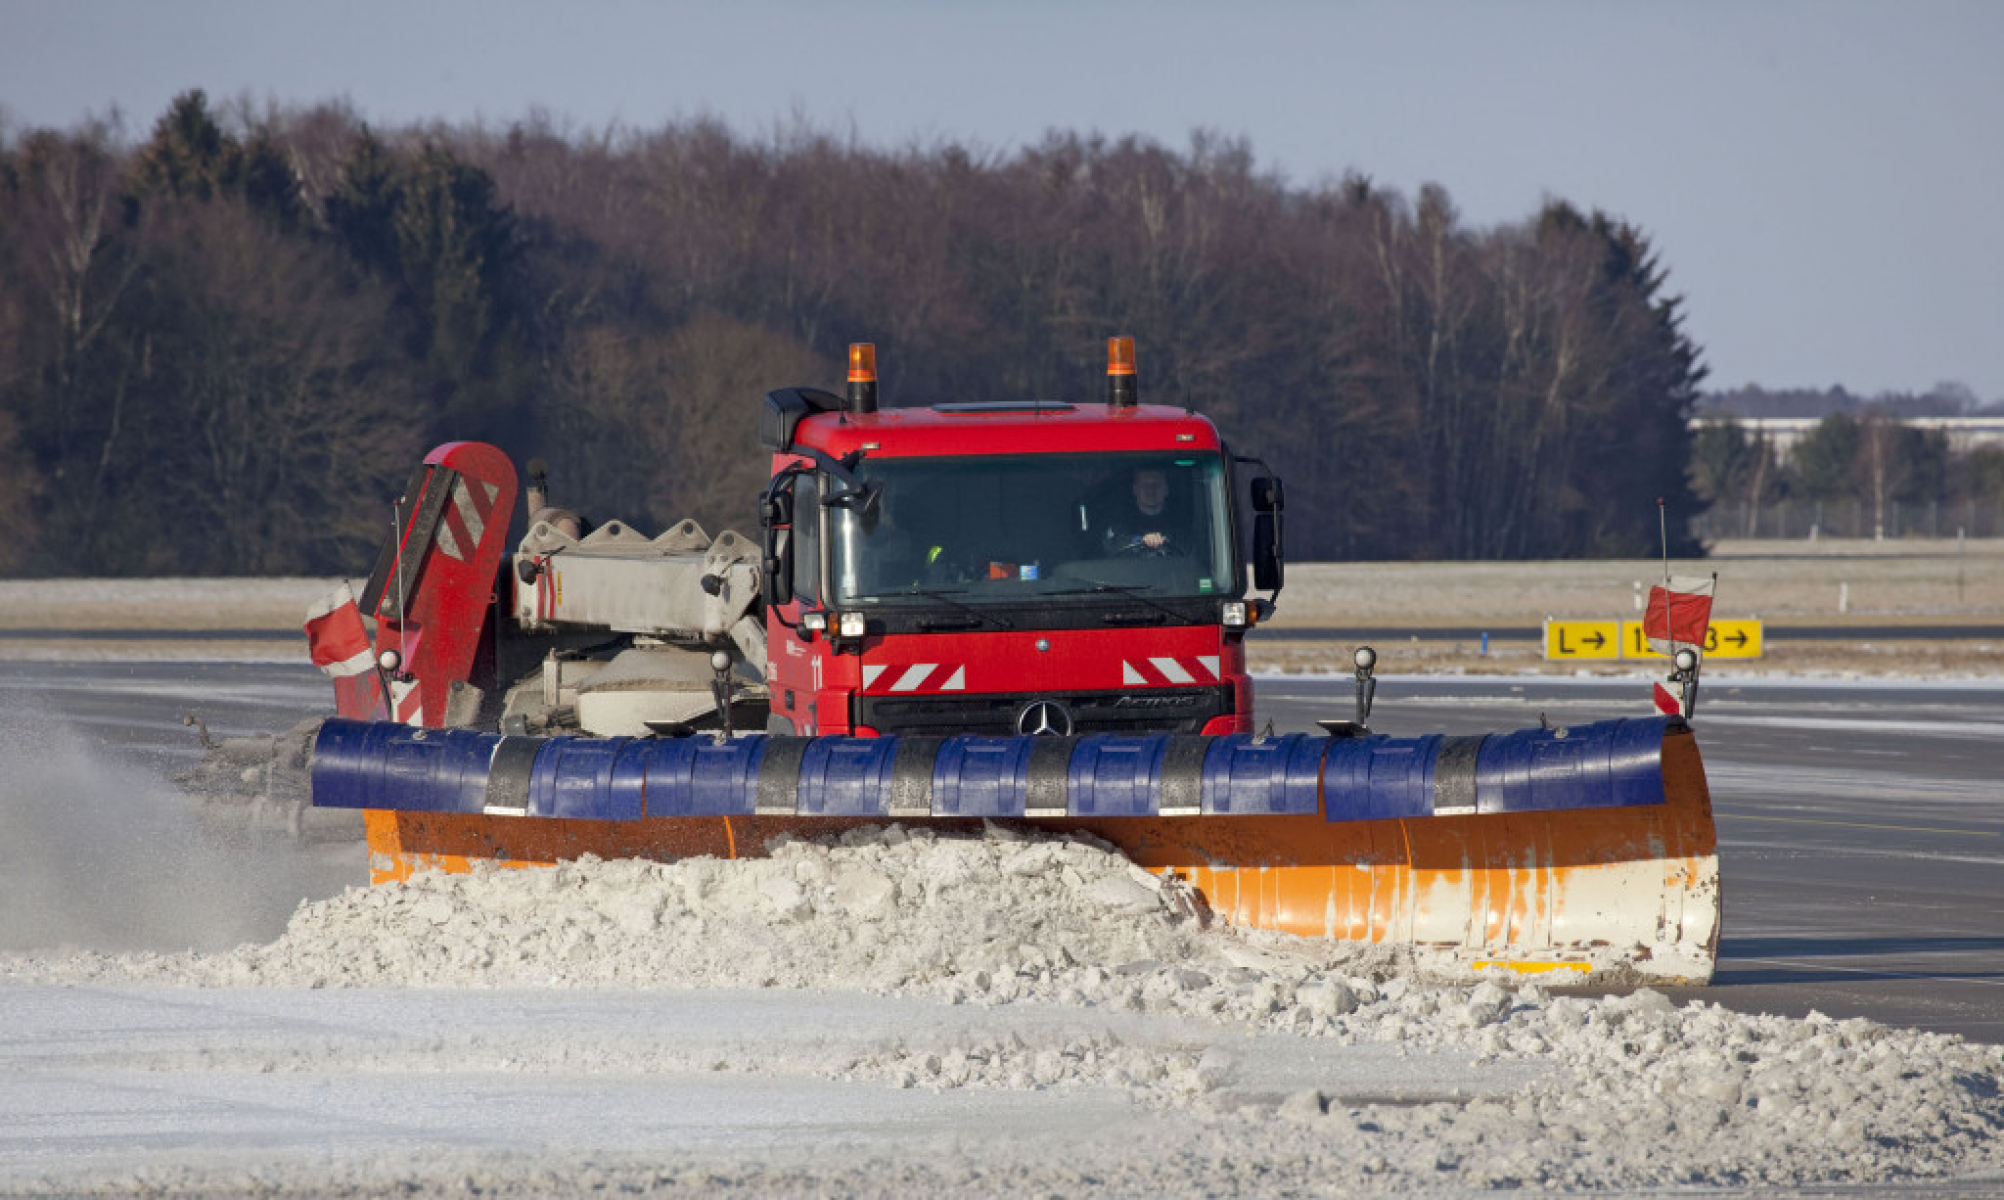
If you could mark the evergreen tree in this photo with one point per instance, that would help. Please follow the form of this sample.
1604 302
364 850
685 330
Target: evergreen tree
189 153
431 226
1824 462
192 157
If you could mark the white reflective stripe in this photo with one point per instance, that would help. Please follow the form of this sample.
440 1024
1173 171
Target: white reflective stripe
1210 662
870 673
469 518
915 675
1128 674
1182 810
355 664
956 682
470 512
340 597
407 702
1174 670
505 810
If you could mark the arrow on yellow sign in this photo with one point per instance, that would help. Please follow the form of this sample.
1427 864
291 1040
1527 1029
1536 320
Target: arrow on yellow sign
1582 639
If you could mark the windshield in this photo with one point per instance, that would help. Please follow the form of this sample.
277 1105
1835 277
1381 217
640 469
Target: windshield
999 529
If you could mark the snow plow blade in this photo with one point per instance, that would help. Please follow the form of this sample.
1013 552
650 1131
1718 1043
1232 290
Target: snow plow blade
1588 850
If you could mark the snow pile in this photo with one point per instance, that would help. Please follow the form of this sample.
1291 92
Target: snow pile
1628 1091
879 909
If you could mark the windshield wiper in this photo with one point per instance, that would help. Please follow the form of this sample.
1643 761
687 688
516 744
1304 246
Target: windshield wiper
948 597
1136 590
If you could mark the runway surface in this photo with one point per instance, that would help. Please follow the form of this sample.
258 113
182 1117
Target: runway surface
1861 822
1861 827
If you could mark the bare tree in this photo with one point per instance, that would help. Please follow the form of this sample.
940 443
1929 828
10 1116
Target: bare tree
297 423
665 426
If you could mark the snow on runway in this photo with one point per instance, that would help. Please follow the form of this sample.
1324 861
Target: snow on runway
901 1013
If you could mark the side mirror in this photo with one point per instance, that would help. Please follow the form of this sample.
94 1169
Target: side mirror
1268 562
1268 500
775 506
775 518
777 585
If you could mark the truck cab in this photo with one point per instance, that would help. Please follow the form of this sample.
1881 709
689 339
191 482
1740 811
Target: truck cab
1011 567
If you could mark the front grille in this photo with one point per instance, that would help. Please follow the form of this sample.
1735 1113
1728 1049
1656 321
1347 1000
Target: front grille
1164 710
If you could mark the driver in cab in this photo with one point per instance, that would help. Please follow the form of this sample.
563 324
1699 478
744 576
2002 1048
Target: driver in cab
1142 526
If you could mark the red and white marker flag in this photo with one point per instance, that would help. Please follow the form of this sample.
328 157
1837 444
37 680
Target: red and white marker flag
336 639
1679 613
1670 698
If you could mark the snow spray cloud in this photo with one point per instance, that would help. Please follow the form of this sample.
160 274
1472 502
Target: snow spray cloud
96 854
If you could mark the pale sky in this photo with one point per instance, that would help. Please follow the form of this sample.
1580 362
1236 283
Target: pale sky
1824 179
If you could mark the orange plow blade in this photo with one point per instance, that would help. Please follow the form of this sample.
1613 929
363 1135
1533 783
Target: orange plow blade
1623 892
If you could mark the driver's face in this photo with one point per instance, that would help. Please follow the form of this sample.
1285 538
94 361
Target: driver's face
1151 489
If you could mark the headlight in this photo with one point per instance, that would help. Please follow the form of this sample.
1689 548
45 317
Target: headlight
850 625
1235 614
815 621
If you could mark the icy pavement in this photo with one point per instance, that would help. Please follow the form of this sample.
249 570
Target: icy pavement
901 1013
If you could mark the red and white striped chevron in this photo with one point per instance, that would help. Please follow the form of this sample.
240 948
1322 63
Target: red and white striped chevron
1167 670
917 678
407 701
466 517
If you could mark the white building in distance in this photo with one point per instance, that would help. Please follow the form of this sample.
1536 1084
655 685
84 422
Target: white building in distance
1964 433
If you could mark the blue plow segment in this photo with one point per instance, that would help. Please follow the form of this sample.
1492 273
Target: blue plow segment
401 768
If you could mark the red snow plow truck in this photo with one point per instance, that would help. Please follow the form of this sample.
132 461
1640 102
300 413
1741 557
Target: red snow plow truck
1022 610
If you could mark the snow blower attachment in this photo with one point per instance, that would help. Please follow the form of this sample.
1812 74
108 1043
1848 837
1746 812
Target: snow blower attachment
1570 849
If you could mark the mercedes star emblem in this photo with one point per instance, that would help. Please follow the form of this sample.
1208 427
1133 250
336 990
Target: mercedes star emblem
1044 718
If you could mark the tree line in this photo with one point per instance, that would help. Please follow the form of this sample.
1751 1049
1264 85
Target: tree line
223 346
